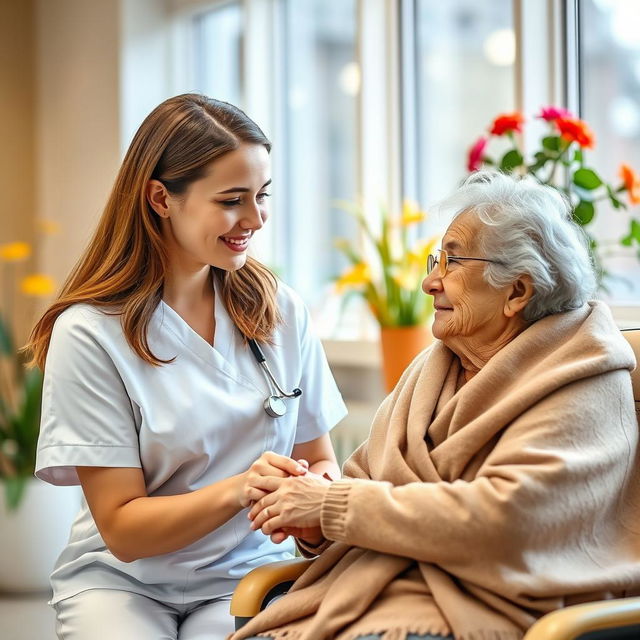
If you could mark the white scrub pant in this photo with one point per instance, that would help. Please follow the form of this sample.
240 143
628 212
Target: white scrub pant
108 614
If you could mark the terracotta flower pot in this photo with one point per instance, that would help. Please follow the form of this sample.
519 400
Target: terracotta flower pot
400 345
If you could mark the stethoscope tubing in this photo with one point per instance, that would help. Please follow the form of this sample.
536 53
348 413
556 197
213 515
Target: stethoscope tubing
262 361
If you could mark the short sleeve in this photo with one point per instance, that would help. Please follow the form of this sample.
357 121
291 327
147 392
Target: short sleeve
321 406
87 417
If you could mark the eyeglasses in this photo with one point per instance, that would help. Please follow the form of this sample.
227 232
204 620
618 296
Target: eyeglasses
442 262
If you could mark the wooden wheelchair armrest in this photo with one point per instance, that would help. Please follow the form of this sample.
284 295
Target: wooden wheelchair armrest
569 623
255 586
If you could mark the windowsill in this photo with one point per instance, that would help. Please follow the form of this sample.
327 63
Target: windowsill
353 353
627 317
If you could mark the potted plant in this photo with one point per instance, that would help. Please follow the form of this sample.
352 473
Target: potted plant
389 281
561 161
35 518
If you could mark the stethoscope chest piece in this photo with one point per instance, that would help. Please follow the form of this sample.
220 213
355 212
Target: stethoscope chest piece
275 407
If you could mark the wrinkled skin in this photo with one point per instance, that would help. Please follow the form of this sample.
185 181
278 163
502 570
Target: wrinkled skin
472 318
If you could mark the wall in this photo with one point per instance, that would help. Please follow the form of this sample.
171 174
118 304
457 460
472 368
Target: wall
77 121
18 153
17 156
146 62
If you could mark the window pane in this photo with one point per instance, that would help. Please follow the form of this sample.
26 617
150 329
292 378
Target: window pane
218 47
465 77
315 141
610 91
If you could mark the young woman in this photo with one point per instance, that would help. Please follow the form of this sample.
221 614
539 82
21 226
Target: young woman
155 398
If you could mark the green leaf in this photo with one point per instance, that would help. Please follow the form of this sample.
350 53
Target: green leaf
587 179
615 202
577 156
511 160
541 158
551 143
14 487
349 252
634 234
584 212
6 342
31 404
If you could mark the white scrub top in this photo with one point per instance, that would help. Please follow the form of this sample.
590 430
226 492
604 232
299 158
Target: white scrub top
186 424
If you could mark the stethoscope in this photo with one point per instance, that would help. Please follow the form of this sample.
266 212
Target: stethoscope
274 405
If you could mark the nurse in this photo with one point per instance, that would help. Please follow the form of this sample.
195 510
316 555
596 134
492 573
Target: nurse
152 399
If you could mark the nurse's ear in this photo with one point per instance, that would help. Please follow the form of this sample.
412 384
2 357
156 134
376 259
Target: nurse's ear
158 197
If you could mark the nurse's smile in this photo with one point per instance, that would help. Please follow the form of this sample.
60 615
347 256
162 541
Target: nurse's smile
237 243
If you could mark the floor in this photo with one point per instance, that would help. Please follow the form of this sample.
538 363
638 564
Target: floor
26 617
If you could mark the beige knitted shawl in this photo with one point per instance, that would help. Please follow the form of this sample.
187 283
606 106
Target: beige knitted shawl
474 512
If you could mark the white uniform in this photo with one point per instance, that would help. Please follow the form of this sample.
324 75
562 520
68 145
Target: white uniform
187 424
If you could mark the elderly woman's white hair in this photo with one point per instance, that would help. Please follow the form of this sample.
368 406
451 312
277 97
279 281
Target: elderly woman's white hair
529 230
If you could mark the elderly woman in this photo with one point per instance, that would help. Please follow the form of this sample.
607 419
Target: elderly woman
500 480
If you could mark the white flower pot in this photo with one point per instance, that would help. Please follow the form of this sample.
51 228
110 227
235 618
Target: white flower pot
32 536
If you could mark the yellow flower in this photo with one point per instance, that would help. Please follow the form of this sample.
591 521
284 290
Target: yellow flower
48 227
15 252
419 257
411 213
358 275
406 279
37 285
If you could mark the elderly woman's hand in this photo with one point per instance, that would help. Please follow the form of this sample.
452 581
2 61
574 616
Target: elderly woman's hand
269 464
292 503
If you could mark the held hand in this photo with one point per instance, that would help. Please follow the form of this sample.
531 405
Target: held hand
311 535
269 464
293 502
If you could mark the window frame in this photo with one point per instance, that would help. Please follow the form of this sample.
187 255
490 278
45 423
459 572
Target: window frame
547 71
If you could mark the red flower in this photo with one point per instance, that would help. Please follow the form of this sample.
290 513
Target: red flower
551 114
575 130
507 122
476 154
631 183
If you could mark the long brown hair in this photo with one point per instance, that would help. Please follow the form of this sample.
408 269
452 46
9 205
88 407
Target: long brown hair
124 265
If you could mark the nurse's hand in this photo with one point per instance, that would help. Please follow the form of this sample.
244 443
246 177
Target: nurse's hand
293 502
268 465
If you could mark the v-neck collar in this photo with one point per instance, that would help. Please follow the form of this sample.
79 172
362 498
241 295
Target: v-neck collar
224 337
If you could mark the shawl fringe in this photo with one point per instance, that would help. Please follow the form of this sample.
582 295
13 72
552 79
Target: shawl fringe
400 633
485 634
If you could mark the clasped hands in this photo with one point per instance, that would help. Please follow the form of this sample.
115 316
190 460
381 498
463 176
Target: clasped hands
285 498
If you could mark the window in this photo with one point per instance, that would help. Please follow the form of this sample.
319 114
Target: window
383 99
464 77
610 102
218 45
315 135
